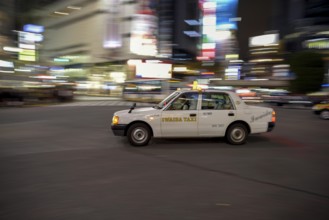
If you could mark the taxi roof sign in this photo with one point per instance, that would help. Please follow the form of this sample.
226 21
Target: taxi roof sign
195 86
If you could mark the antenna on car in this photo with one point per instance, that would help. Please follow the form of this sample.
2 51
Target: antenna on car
132 107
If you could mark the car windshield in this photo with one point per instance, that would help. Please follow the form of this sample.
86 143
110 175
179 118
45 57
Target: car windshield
166 100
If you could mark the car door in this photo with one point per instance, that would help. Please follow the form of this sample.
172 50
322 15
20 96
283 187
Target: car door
179 118
216 113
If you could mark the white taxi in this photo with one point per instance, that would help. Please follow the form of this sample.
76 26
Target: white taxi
194 113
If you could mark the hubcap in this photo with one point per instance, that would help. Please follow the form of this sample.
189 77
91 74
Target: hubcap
325 114
139 135
238 134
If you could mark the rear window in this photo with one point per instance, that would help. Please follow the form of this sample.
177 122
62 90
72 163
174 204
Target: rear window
216 101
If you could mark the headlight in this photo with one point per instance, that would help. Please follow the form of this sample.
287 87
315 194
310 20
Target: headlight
115 120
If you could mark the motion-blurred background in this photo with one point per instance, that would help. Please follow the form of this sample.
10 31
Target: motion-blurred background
55 50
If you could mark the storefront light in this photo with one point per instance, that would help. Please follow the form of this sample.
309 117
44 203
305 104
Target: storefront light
12 49
22 70
209 5
27 46
133 62
180 69
8 64
223 35
206 46
209 30
209 20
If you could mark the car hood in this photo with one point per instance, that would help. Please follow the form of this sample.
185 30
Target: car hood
144 111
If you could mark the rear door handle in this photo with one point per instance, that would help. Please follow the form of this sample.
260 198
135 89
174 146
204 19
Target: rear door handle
231 114
192 115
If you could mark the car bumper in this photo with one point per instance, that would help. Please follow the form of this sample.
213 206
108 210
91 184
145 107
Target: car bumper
118 130
270 126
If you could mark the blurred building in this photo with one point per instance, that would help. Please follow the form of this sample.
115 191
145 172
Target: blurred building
104 41
307 28
7 23
110 41
306 23
166 22
294 25
218 45
90 42
266 61
285 15
7 41
178 29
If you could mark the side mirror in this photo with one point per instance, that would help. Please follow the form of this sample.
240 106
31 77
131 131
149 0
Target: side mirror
133 106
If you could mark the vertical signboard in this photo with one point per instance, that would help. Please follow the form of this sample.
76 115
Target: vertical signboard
226 12
112 36
144 27
218 19
27 42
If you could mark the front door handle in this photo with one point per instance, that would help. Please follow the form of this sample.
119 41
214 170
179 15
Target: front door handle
231 114
192 115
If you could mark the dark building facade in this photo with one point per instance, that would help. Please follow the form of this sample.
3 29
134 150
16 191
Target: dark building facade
176 38
7 15
301 21
256 19
285 15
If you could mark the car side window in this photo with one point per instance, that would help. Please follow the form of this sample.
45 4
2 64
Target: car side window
186 101
216 101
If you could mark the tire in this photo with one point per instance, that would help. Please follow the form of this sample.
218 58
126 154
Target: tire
139 134
237 134
324 114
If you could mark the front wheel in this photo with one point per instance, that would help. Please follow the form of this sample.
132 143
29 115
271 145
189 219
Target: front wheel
324 114
237 134
139 134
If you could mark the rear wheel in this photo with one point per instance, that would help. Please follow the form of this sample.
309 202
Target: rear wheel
237 134
139 134
324 114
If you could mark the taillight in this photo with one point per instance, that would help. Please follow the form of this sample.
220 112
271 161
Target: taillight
273 116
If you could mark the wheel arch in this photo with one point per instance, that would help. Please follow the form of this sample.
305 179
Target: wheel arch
322 111
239 122
135 122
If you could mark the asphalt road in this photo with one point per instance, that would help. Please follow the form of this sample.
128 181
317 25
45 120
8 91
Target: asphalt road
64 163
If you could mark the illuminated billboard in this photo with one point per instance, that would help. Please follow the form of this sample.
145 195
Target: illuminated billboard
33 28
27 55
319 43
27 37
153 70
218 19
144 28
112 35
226 11
264 40
143 39
27 42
